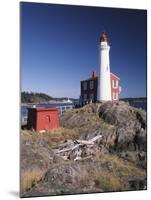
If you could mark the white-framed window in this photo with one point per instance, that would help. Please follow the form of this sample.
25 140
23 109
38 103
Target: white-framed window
84 85
92 96
85 97
115 95
91 85
114 83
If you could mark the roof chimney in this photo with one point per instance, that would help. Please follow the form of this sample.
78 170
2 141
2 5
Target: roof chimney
93 74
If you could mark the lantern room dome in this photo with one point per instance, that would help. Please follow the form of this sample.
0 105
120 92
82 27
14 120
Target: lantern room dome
103 37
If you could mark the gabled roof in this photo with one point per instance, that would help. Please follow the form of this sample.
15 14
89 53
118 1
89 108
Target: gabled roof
115 76
89 79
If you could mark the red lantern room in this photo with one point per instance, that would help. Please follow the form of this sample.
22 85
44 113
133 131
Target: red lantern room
103 37
41 119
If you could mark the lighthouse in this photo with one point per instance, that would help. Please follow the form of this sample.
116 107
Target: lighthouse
104 80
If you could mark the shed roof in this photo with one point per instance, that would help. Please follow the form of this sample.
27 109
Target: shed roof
43 109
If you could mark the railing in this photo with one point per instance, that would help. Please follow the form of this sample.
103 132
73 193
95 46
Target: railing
63 108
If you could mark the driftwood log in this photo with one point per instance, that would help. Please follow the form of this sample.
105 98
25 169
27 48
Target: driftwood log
74 150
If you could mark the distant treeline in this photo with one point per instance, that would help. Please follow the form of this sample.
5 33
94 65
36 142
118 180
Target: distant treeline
137 99
31 97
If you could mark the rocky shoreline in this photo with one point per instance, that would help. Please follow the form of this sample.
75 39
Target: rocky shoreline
101 147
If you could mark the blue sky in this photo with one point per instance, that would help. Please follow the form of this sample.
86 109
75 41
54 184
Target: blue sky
59 47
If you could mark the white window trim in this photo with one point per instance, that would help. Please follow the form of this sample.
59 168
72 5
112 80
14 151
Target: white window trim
115 95
116 84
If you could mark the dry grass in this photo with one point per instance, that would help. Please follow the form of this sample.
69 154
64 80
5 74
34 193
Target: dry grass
100 179
110 179
107 181
114 178
30 177
53 136
122 168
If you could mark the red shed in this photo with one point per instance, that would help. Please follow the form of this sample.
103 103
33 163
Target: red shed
41 119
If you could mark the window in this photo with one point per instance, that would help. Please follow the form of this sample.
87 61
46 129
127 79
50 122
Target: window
114 83
91 85
85 96
85 86
92 96
115 95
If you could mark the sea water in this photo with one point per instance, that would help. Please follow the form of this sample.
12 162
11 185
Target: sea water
142 105
61 106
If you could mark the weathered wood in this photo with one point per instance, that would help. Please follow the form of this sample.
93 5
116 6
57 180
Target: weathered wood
78 158
91 141
75 148
85 142
87 157
68 149
95 138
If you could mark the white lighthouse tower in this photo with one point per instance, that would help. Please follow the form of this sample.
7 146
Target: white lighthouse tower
104 82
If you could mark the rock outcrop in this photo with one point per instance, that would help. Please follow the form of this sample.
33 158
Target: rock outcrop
102 148
123 127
